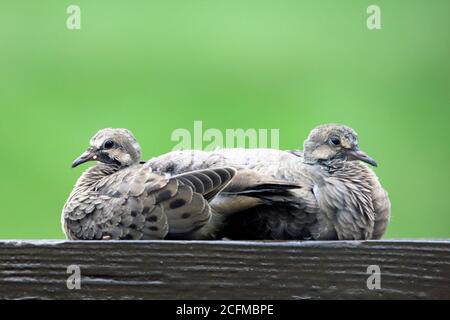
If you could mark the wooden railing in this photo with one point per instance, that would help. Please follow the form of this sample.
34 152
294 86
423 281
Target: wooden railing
224 270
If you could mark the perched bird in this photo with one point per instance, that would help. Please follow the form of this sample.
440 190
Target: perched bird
338 197
121 198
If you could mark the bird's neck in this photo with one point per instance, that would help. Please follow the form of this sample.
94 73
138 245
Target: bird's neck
330 165
95 174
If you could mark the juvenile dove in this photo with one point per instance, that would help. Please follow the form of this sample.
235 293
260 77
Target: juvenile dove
121 198
338 197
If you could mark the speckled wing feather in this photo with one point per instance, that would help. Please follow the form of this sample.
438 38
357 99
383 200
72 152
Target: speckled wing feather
190 210
122 205
208 182
135 203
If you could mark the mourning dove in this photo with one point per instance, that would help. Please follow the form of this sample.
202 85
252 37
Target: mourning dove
121 198
338 197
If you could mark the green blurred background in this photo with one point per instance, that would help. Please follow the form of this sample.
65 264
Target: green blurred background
154 66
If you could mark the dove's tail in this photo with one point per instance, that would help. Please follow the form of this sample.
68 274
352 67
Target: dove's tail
266 190
268 193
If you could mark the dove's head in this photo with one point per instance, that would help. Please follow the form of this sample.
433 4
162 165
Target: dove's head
332 144
111 146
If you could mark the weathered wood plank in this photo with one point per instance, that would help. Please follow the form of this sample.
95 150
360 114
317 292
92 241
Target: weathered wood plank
224 270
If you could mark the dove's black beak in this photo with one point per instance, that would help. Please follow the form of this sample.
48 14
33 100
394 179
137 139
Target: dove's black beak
88 155
357 154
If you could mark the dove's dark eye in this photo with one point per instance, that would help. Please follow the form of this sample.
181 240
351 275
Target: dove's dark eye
108 144
335 141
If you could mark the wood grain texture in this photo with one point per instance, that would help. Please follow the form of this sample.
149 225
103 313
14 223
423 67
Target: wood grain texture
224 270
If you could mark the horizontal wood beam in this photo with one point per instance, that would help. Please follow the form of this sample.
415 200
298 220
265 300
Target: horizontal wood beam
224 269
